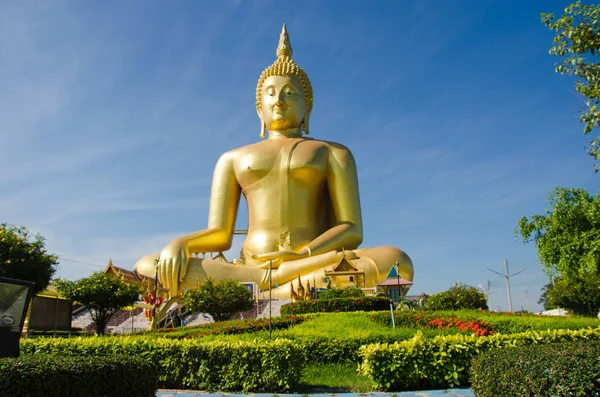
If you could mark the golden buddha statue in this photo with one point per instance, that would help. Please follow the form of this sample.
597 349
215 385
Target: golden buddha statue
303 203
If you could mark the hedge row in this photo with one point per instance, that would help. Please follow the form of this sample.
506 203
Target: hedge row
336 305
43 375
193 364
552 370
227 328
442 362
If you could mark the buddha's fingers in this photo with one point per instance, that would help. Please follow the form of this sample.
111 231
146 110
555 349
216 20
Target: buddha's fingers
184 266
173 285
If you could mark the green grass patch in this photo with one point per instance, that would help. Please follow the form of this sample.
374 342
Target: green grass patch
333 378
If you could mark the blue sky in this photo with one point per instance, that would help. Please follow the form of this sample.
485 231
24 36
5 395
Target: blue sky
113 114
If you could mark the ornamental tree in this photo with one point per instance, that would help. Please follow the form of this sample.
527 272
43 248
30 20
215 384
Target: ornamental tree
101 294
23 257
577 43
579 295
220 299
567 236
459 296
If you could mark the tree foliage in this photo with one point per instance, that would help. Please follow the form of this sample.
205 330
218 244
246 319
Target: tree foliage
23 257
335 293
459 296
577 42
567 236
220 299
101 294
580 295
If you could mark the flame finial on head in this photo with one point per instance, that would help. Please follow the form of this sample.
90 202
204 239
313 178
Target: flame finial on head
284 49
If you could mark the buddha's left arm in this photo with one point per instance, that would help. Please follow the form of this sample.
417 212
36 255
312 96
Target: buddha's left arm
342 182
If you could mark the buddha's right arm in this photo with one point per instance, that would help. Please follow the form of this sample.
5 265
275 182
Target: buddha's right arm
224 201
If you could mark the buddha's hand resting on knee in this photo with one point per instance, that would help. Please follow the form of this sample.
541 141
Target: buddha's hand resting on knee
173 265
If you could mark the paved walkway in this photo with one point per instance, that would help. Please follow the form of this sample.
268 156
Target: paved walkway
424 393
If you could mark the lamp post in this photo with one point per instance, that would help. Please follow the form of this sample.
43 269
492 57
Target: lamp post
270 298
397 266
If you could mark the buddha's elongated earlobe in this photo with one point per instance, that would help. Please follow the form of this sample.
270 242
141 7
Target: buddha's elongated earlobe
305 124
263 128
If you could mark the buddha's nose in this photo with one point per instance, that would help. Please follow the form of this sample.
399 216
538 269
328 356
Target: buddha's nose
281 97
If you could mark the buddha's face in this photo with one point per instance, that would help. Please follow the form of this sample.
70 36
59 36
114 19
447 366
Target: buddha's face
283 105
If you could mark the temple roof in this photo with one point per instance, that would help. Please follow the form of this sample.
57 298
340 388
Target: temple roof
393 282
128 276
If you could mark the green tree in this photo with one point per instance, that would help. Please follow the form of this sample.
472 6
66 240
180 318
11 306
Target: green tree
567 236
577 42
220 299
579 295
101 294
544 297
459 296
23 256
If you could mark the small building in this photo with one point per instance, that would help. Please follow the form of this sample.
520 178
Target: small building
344 274
396 287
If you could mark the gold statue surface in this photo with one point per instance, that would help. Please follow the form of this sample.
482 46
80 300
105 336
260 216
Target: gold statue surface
303 203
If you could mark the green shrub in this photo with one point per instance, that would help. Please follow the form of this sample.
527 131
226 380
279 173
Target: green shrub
459 296
50 375
231 327
336 293
193 364
335 305
442 362
553 370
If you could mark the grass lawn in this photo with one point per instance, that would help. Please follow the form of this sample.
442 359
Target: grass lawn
332 378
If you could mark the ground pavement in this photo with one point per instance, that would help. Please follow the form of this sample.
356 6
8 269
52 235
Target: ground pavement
423 393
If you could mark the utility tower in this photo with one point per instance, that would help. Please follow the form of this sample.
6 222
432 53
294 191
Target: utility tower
507 277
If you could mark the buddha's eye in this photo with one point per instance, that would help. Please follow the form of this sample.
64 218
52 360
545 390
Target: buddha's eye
270 91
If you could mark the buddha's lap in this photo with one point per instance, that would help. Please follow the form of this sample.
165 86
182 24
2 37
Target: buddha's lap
374 262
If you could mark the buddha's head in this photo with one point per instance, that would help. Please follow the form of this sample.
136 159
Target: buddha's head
284 96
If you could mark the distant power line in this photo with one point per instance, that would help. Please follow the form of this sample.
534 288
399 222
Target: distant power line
81 263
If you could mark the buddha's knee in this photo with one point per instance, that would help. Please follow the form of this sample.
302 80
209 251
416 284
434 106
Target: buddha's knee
146 266
386 257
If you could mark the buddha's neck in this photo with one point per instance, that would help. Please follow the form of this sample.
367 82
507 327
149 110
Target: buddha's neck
283 134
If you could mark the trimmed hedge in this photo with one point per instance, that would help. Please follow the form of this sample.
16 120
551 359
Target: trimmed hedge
192 364
366 304
233 327
442 362
48 376
553 370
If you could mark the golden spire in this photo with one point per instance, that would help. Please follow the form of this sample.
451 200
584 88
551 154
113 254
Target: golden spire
284 49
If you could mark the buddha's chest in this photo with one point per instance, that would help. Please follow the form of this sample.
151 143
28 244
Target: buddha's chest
302 162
